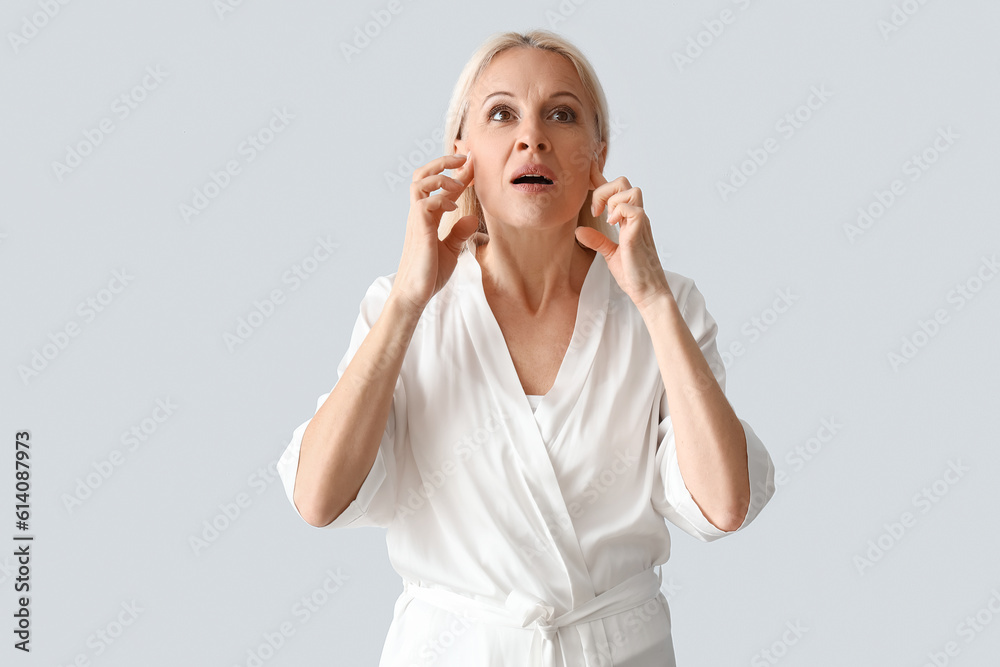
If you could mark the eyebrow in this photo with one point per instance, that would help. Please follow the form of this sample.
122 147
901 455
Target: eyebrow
561 93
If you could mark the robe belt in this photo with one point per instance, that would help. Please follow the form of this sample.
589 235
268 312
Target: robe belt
523 610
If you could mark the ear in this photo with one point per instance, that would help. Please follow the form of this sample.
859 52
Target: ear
598 157
460 146
602 155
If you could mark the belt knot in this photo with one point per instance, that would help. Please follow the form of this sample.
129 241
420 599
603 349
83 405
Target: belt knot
531 610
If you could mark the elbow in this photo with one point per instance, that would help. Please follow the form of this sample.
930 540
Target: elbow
305 511
739 507
313 520
310 512
735 517
727 523
733 524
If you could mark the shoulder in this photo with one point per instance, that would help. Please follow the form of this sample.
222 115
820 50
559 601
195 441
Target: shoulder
438 312
690 303
686 293
379 289
381 286
683 287
692 306
375 297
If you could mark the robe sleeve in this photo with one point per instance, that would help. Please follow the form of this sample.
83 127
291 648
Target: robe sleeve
376 499
671 497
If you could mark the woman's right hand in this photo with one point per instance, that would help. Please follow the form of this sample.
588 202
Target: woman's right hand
427 262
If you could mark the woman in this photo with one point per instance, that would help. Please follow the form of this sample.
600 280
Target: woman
502 409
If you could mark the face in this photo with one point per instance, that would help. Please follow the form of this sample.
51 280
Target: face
529 106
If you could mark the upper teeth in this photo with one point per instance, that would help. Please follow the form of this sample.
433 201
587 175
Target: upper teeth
533 176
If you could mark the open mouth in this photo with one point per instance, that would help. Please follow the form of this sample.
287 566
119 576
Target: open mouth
532 179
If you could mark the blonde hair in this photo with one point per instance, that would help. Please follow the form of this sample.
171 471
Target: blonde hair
458 107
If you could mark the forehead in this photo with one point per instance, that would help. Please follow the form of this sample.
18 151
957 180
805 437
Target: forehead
528 71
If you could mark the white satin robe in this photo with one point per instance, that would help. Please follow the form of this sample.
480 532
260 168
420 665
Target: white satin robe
501 521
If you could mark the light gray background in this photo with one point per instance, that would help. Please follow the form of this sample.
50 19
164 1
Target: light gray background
681 130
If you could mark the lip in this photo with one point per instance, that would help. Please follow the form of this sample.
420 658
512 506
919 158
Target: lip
533 187
533 168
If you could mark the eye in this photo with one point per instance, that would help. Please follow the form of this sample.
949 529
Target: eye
500 108
571 115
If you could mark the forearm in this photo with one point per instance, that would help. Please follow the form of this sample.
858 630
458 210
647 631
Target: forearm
711 444
341 441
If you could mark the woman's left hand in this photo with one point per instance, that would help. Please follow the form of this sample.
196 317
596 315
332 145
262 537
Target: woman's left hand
633 260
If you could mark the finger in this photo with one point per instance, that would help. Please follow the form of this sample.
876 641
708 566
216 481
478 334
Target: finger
623 213
631 196
424 187
595 240
466 173
438 165
438 203
607 190
596 177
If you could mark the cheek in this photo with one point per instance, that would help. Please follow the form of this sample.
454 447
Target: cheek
489 178
489 188
576 164
577 182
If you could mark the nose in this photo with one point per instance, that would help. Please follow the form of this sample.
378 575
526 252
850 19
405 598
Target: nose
533 136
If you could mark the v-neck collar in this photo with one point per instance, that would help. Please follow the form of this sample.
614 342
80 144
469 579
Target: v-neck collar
557 404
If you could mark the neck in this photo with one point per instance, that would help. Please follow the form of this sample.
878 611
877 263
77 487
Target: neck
533 274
